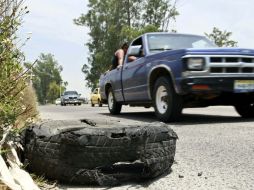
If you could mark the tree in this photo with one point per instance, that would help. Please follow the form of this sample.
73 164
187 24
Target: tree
46 78
12 75
221 38
113 22
159 13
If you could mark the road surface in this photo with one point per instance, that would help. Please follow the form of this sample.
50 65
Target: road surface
215 149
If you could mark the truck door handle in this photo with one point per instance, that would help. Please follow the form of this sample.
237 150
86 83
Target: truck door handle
126 67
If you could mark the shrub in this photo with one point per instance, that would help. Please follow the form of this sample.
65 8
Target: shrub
13 85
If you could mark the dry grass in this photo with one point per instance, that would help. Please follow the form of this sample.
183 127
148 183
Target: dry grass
29 101
3 186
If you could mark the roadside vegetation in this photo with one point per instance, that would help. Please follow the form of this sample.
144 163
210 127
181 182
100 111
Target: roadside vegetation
14 87
17 99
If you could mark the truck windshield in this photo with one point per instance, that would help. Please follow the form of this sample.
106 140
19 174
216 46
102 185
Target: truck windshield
162 42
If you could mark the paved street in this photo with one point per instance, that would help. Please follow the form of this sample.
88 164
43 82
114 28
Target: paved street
215 149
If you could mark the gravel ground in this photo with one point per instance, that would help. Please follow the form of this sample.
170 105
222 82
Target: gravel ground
215 149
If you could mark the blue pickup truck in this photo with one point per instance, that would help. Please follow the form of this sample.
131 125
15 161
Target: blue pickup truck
176 71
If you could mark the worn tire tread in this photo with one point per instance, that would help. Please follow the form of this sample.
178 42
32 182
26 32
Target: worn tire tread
72 155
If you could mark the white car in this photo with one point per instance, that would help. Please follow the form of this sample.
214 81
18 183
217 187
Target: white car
58 101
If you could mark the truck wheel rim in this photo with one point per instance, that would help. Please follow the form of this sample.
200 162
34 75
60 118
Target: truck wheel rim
162 99
110 100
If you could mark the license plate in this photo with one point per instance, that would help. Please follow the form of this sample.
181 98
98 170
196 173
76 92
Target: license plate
244 86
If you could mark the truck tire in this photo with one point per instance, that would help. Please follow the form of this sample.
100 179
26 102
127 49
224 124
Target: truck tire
167 104
245 110
102 154
113 106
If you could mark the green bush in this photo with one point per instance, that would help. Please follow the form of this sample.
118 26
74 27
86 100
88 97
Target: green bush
14 89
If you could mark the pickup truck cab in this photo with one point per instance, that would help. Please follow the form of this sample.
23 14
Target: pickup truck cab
176 71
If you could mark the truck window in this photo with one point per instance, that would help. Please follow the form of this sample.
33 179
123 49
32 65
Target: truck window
137 42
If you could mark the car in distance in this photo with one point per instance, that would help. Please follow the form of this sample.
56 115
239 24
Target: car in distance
96 97
58 101
84 100
70 97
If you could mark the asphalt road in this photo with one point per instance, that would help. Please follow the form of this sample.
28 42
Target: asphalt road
215 149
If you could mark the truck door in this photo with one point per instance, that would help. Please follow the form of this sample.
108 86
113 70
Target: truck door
134 76
115 79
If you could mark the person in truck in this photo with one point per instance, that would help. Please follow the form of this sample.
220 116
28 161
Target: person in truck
119 55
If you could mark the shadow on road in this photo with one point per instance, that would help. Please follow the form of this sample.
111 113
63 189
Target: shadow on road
186 119
193 119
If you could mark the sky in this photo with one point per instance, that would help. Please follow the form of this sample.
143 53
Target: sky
51 28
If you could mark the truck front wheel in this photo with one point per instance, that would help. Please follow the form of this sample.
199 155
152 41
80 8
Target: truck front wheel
167 104
245 110
113 106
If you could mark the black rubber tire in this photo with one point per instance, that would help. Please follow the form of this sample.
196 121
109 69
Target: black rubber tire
174 101
116 107
245 110
78 153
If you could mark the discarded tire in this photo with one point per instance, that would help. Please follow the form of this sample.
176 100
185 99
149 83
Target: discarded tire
83 152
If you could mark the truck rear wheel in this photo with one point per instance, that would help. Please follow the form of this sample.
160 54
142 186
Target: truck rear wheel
167 104
113 106
245 110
